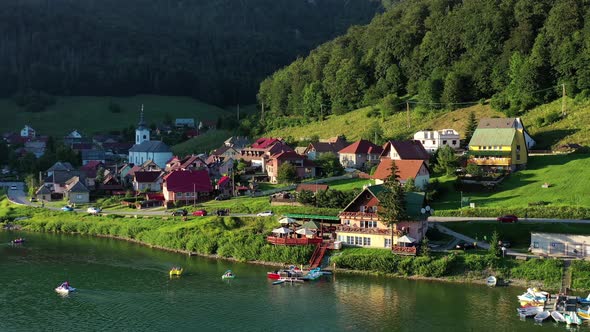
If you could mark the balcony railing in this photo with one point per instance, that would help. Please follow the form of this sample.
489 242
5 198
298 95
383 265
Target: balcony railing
359 215
282 241
404 250
492 161
349 229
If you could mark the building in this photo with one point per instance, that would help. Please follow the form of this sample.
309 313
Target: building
35 147
43 194
516 123
304 168
145 150
147 181
28 132
237 142
405 150
555 244
498 148
184 123
186 187
415 169
93 155
361 225
360 154
433 140
76 192
333 145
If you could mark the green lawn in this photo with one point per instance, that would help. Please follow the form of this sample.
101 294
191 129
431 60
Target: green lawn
209 141
567 175
350 184
259 204
519 234
92 114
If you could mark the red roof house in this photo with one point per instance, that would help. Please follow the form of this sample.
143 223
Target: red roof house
186 186
305 168
406 169
360 154
405 150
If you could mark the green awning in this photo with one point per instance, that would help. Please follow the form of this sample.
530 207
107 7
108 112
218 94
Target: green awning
311 216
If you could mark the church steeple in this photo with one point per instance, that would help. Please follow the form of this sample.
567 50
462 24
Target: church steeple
142 133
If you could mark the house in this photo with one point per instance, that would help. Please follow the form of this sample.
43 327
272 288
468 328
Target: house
90 170
304 168
433 140
185 187
147 181
43 194
28 132
498 148
93 155
35 147
361 224
186 163
184 123
360 154
219 166
415 169
237 142
501 123
111 185
59 166
76 192
405 150
261 150
313 187
74 137
333 145
226 152
555 244
145 150
224 186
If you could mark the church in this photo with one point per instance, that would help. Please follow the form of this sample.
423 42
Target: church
144 149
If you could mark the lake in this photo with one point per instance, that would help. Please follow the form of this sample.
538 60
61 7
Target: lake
124 286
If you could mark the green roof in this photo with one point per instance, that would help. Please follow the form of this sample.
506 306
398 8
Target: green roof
492 137
310 216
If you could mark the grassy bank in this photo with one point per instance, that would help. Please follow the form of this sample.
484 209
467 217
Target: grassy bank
464 267
259 204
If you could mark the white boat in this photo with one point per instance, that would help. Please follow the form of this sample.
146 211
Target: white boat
572 318
527 297
542 316
491 281
536 292
557 316
529 311
64 290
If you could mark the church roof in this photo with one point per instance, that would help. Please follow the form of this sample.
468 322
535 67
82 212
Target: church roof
150 146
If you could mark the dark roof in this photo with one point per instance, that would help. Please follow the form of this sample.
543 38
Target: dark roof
61 166
411 149
311 187
62 177
362 146
188 181
221 150
147 176
414 200
43 190
78 187
150 146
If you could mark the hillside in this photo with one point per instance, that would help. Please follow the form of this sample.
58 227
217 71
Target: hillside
91 114
441 53
217 51
573 128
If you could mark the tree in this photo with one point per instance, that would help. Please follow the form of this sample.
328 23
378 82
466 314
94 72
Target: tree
286 173
306 197
424 249
330 164
100 173
313 101
241 166
473 170
446 161
470 127
410 185
391 104
392 201
495 249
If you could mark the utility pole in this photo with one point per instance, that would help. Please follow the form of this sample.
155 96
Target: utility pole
408 112
563 104
238 111
321 112
262 116
194 195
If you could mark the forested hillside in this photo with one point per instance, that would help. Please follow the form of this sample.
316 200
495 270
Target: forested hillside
217 51
439 54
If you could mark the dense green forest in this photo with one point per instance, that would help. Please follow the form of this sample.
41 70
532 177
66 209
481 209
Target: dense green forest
439 54
217 51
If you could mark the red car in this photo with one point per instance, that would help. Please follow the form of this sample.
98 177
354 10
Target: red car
508 218
200 213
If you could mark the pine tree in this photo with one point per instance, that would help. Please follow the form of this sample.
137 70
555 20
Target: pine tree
392 201
495 249
470 127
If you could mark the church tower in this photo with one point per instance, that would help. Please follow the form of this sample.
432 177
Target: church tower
142 133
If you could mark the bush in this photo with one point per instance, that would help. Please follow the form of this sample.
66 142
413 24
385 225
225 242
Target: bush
580 275
548 270
555 212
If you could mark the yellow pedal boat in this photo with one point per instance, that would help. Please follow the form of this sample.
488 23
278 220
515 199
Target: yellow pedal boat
175 271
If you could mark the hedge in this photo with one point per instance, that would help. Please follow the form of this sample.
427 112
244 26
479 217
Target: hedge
551 212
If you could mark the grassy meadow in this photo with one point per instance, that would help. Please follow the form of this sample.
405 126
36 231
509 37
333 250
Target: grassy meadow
564 173
92 114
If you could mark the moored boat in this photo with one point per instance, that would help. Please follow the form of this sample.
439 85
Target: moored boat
572 318
557 316
584 301
542 316
176 271
528 312
313 274
18 241
228 275
64 288
491 281
584 314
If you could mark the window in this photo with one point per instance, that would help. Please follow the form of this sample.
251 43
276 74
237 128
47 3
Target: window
518 148
454 142
179 195
422 141
144 137
444 142
366 241
78 196
517 157
535 244
387 243
347 222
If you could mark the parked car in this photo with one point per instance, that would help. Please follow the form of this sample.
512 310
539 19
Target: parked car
13 188
93 210
265 214
221 197
508 218
505 244
33 199
200 213
181 212
464 246
67 208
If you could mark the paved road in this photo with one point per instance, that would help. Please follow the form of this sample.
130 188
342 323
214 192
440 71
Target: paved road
528 220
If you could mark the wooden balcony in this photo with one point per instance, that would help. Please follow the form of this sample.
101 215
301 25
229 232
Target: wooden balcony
282 241
360 230
404 250
359 215
491 161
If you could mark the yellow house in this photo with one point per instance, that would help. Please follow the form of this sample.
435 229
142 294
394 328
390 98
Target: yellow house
498 148
361 225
